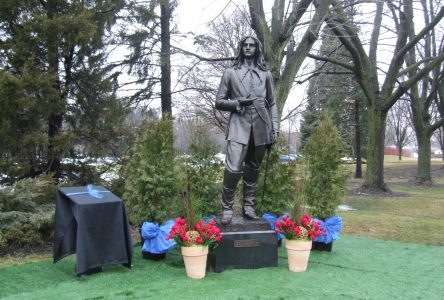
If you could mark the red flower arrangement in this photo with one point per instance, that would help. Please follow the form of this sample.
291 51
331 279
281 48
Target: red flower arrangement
205 234
308 229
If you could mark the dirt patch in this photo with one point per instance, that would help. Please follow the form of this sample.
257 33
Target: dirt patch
407 171
376 193
46 248
27 250
400 174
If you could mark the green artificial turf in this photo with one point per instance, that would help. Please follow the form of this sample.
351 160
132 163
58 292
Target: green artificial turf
357 268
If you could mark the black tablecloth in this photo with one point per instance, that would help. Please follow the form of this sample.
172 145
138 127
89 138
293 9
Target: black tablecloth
96 229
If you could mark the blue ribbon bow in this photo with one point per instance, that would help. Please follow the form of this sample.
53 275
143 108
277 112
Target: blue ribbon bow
332 226
155 235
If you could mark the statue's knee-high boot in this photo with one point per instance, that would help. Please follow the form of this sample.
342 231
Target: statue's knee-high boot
250 186
228 190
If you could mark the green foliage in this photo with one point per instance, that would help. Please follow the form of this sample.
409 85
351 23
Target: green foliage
150 182
27 212
198 175
335 89
279 188
52 73
302 184
20 229
327 177
197 180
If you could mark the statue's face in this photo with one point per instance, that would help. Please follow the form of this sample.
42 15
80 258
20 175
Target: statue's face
249 48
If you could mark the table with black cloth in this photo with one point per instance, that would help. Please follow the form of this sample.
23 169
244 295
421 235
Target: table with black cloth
94 228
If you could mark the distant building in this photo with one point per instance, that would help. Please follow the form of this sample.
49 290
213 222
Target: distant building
436 153
393 150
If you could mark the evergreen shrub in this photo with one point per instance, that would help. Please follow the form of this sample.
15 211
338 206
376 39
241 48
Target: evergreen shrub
150 181
279 190
327 175
199 175
27 212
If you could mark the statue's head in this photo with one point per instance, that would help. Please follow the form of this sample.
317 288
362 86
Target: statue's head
250 46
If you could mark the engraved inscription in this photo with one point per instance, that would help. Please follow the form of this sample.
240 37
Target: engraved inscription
247 243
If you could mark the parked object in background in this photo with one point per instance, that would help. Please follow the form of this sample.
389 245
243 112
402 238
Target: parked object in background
351 160
289 158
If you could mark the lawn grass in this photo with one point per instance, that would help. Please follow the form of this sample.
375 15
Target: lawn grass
413 214
357 268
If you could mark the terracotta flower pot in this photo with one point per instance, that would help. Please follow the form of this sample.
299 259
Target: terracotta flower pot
195 259
298 254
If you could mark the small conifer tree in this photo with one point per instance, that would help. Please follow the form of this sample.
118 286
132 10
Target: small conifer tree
150 182
327 176
278 192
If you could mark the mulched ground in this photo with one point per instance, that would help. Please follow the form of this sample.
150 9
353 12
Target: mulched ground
23 251
45 249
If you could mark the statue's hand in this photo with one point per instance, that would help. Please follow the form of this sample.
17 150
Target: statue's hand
247 101
274 136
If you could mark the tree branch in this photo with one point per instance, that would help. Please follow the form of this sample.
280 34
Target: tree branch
333 61
406 85
211 59
375 33
259 24
296 59
299 8
412 43
436 125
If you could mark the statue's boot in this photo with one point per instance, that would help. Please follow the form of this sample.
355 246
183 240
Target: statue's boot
228 190
250 186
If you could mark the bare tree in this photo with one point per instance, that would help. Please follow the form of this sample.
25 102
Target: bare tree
424 93
283 57
399 129
439 137
380 97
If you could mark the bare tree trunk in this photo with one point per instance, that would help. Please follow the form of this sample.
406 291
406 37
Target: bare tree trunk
57 108
423 176
165 16
374 180
441 142
358 171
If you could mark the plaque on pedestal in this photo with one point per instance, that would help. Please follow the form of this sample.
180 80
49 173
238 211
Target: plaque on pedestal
246 244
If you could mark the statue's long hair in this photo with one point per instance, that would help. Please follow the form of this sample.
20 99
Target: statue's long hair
259 59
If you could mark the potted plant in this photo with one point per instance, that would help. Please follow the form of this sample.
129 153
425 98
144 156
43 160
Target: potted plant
195 242
298 240
326 182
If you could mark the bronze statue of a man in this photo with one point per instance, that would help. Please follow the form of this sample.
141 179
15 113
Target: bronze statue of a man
247 91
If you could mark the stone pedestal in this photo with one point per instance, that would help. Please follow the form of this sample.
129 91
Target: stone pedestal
245 245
